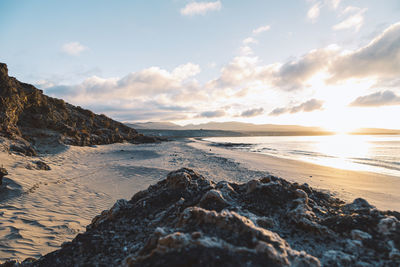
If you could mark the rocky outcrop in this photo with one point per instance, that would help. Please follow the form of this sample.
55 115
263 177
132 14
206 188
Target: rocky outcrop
187 220
26 113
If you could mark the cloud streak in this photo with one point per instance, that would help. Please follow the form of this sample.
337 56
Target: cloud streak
378 99
314 11
354 21
252 112
212 114
308 106
73 48
261 29
200 8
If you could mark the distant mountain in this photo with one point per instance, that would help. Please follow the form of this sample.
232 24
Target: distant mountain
375 131
226 126
155 125
250 127
27 115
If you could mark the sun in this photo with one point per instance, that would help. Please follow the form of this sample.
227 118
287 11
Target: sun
341 129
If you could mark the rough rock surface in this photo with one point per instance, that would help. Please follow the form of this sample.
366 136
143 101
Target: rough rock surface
189 220
26 114
40 165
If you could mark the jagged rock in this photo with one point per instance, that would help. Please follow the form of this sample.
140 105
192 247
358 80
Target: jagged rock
388 225
40 165
3 172
187 220
359 204
23 148
338 258
26 113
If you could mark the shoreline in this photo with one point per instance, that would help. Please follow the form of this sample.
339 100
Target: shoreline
40 210
380 190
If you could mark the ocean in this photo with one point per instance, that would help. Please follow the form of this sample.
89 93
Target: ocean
373 153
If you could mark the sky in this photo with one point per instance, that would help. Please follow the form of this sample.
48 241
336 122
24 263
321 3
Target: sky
328 63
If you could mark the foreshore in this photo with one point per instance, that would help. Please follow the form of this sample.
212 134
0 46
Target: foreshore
380 190
42 209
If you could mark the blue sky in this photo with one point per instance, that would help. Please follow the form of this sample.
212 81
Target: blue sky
195 61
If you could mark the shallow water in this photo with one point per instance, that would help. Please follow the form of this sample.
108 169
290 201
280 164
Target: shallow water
375 153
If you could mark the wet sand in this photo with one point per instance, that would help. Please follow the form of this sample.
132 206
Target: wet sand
382 191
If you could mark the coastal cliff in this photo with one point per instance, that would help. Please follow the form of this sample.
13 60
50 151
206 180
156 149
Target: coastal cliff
187 219
29 117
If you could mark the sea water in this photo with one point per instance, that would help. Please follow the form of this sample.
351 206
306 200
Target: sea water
374 153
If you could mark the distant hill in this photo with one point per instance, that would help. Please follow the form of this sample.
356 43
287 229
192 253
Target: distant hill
155 125
26 114
226 126
375 131
253 129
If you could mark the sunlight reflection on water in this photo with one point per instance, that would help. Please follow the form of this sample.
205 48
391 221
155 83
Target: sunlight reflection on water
376 153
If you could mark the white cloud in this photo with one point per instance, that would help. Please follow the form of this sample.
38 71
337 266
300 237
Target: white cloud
43 84
252 112
148 84
200 8
212 114
240 70
246 50
308 106
379 59
385 98
335 3
314 11
293 75
73 48
249 40
354 21
245 82
350 9
185 71
262 29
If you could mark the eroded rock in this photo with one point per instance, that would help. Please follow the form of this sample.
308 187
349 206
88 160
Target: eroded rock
187 220
27 114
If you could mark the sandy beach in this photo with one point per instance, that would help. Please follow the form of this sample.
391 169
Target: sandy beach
42 209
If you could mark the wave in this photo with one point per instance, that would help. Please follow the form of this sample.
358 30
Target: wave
228 144
378 163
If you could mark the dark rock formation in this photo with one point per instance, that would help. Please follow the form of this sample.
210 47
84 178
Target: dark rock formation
187 220
3 172
40 165
25 112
